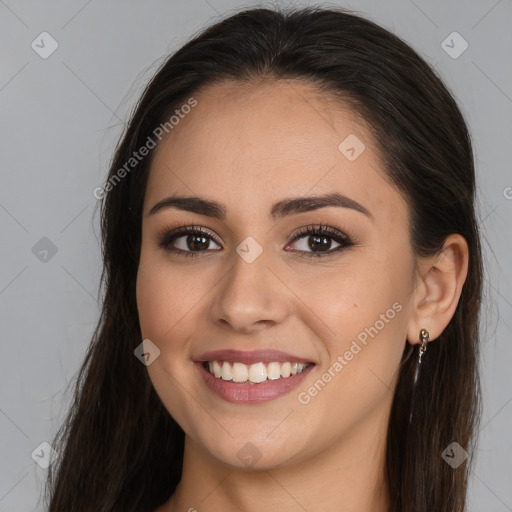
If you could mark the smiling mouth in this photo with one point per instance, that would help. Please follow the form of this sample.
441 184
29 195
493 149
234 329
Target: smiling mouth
255 373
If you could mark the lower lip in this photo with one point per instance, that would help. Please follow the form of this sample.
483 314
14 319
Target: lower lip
252 393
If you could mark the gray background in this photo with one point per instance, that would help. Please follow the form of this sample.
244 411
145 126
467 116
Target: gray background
61 117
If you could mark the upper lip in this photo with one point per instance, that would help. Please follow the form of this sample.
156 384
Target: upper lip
255 356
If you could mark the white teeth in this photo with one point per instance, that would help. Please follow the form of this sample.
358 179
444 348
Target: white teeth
286 370
240 372
226 371
255 373
273 370
217 369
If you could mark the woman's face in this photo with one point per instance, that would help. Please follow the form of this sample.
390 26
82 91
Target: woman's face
261 291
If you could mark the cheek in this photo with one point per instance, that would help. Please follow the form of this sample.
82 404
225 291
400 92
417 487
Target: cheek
163 301
366 314
169 299
361 314
161 298
352 296
151 300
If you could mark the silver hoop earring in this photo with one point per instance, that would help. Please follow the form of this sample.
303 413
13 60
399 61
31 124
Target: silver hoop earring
424 337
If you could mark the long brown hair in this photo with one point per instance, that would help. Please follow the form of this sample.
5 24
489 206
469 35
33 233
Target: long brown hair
120 450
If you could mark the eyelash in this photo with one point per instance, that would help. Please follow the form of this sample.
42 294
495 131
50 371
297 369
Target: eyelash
345 242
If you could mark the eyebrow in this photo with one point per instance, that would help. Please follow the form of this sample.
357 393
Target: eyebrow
279 210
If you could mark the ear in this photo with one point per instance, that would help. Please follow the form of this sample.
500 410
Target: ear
438 287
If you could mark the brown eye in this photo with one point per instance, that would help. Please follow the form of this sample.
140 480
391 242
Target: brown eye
319 239
187 241
193 242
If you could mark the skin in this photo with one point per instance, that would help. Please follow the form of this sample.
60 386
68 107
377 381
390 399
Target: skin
248 147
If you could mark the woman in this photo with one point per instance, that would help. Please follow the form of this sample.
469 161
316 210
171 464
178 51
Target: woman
292 275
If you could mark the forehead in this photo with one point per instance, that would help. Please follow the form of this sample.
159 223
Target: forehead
249 146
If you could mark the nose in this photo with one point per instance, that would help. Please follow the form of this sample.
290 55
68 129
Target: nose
250 297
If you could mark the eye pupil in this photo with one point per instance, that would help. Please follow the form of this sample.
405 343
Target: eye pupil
320 242
192 239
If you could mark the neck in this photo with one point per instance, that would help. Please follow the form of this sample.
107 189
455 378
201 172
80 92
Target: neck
349 476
